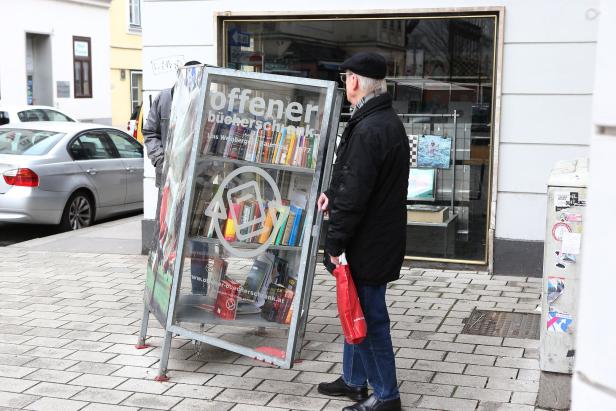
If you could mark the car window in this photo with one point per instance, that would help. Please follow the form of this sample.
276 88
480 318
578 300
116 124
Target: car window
4 118
31 115
53 115
91 146
127 147
27 142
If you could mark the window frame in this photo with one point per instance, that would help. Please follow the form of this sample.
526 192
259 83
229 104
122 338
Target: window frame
82 60
135 104
134 5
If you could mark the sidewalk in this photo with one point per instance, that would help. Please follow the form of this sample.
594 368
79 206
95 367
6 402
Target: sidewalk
69 322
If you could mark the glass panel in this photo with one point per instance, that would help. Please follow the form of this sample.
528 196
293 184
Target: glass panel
242 258
126 146
78 85
94 147
27 142
87 92
435 66
55 116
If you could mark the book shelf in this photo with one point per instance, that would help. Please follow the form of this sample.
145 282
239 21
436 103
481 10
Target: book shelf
293 169
238 226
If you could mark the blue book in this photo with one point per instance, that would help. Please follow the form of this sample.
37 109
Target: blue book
296 225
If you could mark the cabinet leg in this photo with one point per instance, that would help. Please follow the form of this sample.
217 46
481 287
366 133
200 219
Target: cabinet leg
164 358
144 329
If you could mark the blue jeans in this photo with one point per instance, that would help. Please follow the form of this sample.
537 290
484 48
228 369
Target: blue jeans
372 361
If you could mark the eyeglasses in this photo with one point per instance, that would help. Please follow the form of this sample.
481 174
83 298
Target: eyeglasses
343 77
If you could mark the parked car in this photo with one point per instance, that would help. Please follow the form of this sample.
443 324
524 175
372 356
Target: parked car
25 113
135 124
70 174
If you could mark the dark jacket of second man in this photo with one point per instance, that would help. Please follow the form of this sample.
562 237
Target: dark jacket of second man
367 194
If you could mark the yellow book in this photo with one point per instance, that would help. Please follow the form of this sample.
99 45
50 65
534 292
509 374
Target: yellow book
268 224
291 150
276 148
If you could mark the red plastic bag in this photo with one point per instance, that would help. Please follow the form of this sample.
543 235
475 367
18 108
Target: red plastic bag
349 309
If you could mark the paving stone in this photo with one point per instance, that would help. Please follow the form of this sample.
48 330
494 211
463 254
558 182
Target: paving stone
90 356
46 404
438 390
422 354
94 368
526 363
310 377
499 351
134 360
190 404
158 402
107 407
15 371
296 402
498 406
48 389
450 346
483 394
144 386
414 375
447 404
470 358
520 342
15 384
245 396
478 339
460 379
226 381
284 387
194 391
513 385
98 381
101 395
277 374
529 375
528 398
439 366
498 372
245 407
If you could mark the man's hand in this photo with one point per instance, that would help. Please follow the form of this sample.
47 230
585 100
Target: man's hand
323 202
335 260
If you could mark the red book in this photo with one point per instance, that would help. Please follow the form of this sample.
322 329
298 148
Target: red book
226 302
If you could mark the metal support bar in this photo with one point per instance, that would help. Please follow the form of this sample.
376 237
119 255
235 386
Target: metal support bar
453 160
144 327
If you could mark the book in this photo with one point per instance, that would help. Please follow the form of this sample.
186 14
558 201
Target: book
279 145
216 272
266 144
297 226
280 271
285 306
229 232
291 150
226 301
283 214
268 224
289 225
427 213
261 269
275 293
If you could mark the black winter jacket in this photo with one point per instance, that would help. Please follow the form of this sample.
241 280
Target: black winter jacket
367 194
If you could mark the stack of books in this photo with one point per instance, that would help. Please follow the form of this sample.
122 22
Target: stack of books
419 213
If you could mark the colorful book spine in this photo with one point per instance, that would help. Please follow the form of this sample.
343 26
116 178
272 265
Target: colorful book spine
282 217
268 225
296 226
289 226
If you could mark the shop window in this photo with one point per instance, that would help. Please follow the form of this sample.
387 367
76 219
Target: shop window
82 67
436 65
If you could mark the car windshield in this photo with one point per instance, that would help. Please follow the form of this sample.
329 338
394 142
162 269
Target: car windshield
27 142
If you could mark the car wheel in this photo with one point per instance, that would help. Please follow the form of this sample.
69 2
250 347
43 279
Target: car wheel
78 212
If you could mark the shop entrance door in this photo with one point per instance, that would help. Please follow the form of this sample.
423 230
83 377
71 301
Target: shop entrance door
38 74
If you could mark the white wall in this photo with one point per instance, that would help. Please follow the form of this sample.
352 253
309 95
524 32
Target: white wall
547 75
594 381
61 20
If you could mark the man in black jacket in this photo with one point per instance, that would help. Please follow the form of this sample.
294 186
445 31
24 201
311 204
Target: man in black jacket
366 201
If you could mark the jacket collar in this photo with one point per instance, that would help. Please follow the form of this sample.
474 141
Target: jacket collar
380 102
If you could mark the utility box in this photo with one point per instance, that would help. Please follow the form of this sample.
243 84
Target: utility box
561 264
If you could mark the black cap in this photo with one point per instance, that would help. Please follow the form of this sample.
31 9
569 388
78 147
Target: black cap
366 64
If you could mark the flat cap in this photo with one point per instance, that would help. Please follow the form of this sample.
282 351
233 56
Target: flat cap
366 64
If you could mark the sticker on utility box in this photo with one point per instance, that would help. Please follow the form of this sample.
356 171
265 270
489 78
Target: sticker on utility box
559 322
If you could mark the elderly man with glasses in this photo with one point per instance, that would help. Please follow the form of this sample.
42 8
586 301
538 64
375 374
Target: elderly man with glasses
366 201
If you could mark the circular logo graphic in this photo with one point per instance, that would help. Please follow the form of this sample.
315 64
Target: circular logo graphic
230 304
244 230
559 229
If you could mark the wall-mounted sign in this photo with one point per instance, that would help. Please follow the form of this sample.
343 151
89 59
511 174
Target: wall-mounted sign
81 49
63 89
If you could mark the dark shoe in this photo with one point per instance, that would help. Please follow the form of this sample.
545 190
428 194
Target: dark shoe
339 388
372 404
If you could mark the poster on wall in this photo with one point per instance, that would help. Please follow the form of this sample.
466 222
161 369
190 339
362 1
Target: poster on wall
163 253
434 152
556 287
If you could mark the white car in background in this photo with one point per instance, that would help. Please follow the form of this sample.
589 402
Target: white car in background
26 113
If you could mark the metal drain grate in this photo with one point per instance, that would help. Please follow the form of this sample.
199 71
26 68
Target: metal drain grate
503 324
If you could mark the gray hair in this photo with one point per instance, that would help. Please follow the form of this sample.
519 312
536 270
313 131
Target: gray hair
369 85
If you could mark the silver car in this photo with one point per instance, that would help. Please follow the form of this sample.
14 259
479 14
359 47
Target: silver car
68 173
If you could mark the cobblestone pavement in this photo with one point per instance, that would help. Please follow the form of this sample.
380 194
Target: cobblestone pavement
69 322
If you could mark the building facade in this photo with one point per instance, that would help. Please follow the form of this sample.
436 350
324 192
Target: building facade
59 57
126 75
503 69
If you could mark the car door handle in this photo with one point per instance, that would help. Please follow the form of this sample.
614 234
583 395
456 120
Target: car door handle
91 171
130 169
